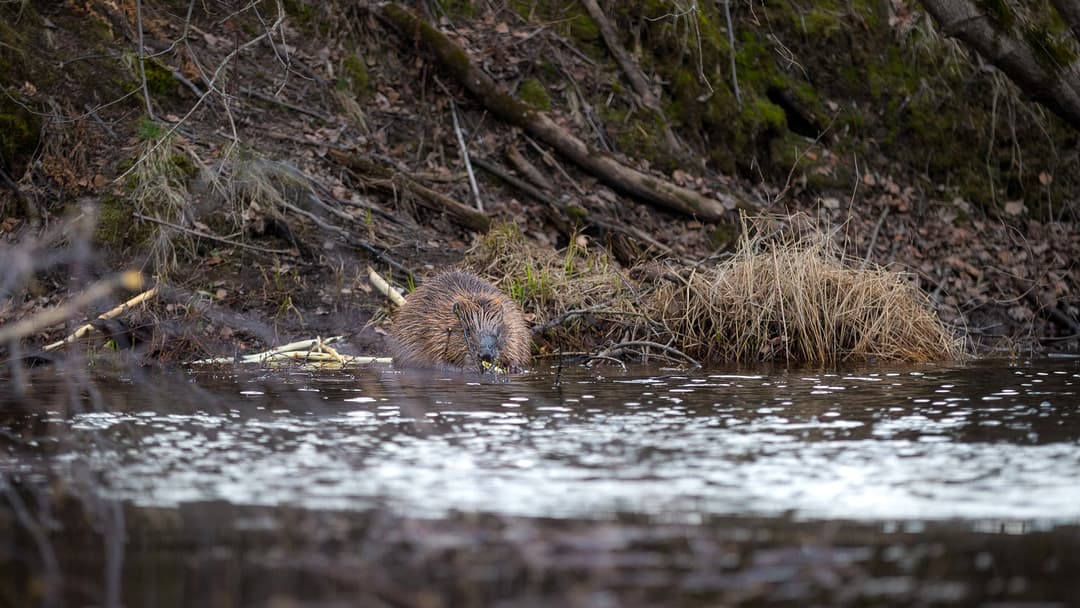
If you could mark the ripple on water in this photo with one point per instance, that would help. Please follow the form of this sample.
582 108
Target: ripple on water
930 443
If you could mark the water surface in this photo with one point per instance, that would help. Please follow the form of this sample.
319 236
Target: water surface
939 484
971 442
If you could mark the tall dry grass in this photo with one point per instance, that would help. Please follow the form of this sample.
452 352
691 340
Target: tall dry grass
789 292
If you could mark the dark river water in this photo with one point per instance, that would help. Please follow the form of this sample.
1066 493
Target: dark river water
927 485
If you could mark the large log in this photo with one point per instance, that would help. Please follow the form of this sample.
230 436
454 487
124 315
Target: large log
457 63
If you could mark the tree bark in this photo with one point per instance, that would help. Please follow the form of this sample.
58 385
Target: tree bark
506 107
1057 89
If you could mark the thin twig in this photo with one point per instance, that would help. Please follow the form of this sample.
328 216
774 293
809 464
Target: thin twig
290 106
873 237
731 52
529 190
605 358
465 157
598 309
649 344
50 578
558 166
212 87
464 149
349 238
142 60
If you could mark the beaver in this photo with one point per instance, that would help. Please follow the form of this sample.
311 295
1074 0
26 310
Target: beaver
459 320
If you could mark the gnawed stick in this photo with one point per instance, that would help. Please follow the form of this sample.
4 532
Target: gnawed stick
384 287
119 310
315 350
53 316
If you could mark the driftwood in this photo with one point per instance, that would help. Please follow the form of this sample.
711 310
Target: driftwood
390 179
457 63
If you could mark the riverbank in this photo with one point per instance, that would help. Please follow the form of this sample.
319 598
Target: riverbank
256 163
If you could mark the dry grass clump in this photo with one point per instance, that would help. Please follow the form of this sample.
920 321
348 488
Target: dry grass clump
791 294
158 182
578 299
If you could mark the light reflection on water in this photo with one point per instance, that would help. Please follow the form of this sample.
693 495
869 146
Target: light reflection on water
987 441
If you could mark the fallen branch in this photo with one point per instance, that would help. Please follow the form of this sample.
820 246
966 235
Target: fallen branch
529 190
390 179
648 188
1054 86
211 237
648 344
347 237
528 169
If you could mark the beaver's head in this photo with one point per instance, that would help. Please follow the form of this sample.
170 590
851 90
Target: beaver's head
484 328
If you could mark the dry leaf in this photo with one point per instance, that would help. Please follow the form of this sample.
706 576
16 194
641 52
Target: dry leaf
1014 207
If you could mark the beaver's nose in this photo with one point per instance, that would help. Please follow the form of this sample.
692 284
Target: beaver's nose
487 348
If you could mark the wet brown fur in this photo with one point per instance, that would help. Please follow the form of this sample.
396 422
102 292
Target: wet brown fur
440 324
